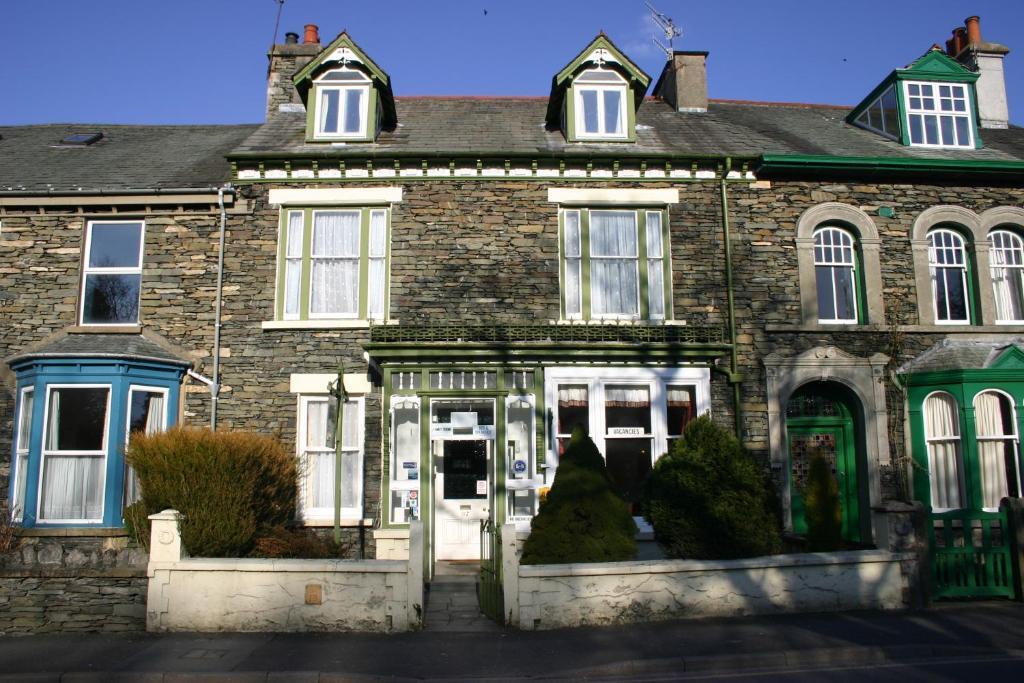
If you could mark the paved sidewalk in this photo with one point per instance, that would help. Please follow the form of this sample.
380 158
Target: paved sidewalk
792 642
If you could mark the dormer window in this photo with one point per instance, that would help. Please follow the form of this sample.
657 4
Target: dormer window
883 115
937 114
342 104
600 99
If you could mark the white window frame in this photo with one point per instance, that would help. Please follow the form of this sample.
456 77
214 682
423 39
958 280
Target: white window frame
22 450
321 86
311 516
46 453
597 378
854 274
579 85
1014 270
964 269
88 270
939 114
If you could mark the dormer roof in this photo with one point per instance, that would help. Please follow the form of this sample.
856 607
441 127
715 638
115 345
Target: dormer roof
600 51
343 51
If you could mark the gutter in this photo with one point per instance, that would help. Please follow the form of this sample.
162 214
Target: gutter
215 384
768 165
347 152
105 192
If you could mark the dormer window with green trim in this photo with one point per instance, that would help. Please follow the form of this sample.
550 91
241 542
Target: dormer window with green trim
931 103
595 97
342 104
348 98
600 103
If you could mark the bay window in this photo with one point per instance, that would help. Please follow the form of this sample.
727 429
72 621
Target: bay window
74 453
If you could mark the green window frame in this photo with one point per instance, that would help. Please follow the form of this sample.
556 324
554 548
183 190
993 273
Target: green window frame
362 260
580 257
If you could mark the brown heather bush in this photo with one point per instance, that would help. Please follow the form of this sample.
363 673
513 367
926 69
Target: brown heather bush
227 485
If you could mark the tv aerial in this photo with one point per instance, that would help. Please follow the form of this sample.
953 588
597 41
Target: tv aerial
667 26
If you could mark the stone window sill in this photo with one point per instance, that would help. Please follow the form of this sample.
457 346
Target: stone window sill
104 329
621 322
346 324
347 523
72 532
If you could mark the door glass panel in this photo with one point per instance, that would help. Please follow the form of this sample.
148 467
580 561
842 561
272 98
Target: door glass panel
629 463
627 409
465 466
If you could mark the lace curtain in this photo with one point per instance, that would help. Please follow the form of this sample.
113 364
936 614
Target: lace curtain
320 455
335 273
627 397
613 266
572 397
942 426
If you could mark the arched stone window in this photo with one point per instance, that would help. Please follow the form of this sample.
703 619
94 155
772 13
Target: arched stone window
837 255
950 272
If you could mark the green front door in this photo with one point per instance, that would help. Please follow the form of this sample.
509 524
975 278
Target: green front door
833 439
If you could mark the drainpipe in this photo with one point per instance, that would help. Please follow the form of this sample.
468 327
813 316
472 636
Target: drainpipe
215 386
727 240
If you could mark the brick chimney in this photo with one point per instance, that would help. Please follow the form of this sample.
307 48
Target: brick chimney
684 82
286 59
968 48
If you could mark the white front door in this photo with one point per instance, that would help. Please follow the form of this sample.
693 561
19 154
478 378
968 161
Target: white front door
460 497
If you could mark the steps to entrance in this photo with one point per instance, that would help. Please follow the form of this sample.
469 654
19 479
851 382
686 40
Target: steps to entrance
452 605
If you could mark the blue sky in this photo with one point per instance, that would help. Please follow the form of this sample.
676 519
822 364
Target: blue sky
204 61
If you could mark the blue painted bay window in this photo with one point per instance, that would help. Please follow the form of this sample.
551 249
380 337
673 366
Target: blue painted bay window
74 417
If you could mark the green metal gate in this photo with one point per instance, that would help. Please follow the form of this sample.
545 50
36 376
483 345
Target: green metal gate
970 554
489 586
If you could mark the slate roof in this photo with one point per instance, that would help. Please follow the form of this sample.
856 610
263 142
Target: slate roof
950 354
515 125
133 346
126 158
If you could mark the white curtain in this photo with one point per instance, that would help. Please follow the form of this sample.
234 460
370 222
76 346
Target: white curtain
613 268
572 396
942 425
988 415
627 397
571 252
1005 257
320 480
293 263
678 397
377 275
321 457
335 276
155 414
72 487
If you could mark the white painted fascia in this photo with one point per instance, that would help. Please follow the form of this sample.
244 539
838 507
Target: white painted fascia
586 196
336 196
316 383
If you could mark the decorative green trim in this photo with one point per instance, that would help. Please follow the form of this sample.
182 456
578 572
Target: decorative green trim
602 42
307 263
343 40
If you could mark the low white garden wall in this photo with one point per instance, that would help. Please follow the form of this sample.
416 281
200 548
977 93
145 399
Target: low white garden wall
210 594
566 595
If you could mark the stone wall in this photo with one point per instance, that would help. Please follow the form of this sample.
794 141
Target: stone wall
72 584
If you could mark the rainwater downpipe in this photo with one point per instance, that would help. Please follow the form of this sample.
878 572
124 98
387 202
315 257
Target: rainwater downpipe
215 387
727 243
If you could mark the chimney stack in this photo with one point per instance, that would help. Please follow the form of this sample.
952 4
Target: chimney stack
285 60
971 50
684 82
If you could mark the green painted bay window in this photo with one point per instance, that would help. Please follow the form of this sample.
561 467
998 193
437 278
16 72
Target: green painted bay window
614 264
333 264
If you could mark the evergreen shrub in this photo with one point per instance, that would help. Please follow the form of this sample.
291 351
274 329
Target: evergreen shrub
581 519
227 485
822 508
709 499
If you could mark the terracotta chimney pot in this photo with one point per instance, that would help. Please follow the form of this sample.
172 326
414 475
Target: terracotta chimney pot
973 30
959 39
312 34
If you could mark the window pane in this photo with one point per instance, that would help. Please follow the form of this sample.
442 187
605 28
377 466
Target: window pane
25 419
336 233
826 293
353 110
572 287
292 284
963 130
378 233
146 412
77 419
942 429
916 129
334 287
612 112
111 299
572 233
613 233
956 296
319 480
614 287
845 305
682 407
629 463
406 447
931 130
627 407
947 130
72 488
350 428
573 411
588 98
654 234
350 483
329 111
375 293
115 245
293 239
656 288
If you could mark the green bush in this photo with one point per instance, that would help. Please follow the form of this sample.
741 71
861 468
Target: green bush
227 485
581 519
821 507
284 542
708 499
